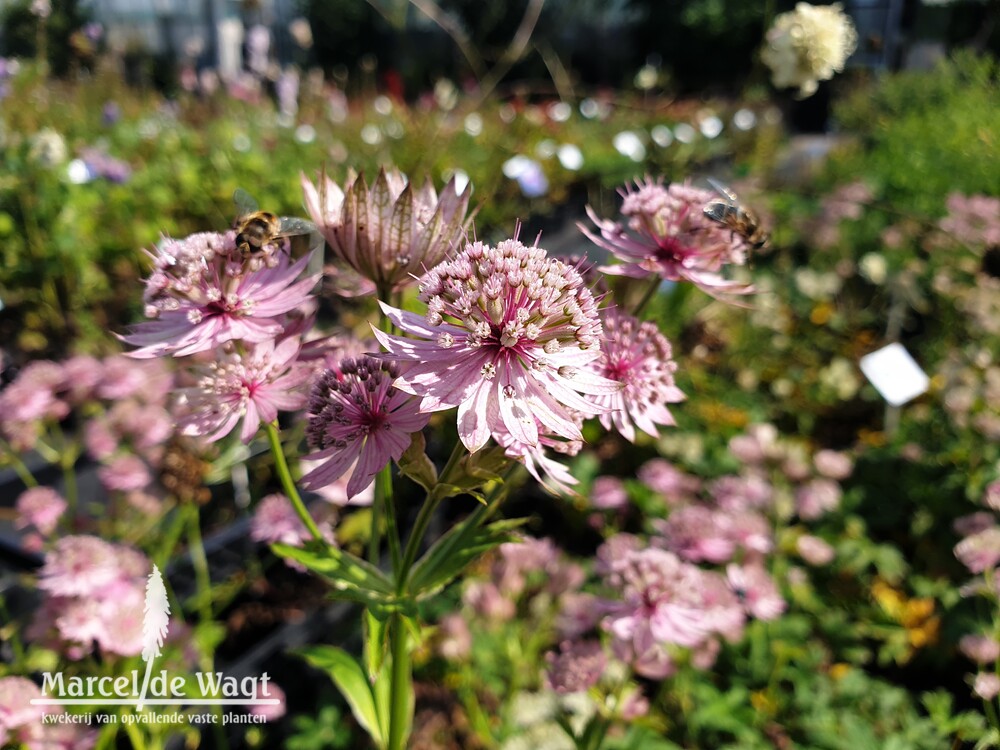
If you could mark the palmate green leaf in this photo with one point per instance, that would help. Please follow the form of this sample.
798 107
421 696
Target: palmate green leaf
349 677
450 554
357 578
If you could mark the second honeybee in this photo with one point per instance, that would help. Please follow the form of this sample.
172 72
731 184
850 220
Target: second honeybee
740 219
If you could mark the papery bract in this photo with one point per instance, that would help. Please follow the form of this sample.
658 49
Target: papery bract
392 232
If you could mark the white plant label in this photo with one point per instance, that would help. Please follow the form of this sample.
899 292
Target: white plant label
895 374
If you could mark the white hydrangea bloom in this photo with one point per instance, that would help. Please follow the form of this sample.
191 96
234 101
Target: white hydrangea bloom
808 45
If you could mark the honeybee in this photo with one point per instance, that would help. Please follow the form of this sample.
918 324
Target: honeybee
256 228
740 219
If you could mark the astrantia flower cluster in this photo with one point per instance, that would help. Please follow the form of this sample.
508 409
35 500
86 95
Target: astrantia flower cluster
355 415
667 234
639 357
391 233
94 596
508 337
808 45
203 293
250 387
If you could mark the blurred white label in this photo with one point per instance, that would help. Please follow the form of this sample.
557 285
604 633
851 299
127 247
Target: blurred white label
895 374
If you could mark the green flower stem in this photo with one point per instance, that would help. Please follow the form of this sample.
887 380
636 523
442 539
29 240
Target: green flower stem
286 481
12 636
67 463
18 465
424 518
654 284
384 498
203 584
402 675
375 537
199 561
416 537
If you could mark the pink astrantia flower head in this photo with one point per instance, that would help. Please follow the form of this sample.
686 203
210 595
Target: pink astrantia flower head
661 601
981 551
203 293
578 665
355 415
251 387
668 235
41 507
392 232
639 357
508 337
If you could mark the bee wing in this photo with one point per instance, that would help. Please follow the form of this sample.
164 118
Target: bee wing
718 211
245 202
301 231
722 190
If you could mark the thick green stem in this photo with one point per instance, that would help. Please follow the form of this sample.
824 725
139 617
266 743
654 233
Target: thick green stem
416 537
287 483
401 685
384 499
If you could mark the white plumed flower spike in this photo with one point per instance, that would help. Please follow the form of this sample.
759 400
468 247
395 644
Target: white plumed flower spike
155 619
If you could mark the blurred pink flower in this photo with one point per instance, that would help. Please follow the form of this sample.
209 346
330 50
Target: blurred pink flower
814 550
515 358
817 497
41 507
981 551
833 464
698 533
980 648
577 666
202 294
991 497
271 712
275 521
123 377
356 418
757 590
759 444
639 357
455 641
973 219
668 235
16 710
96 594
486 600
608 493
663 477
661 601
125 473
744 492
579 613
973 523
78 566
390 233
986 685
251 387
